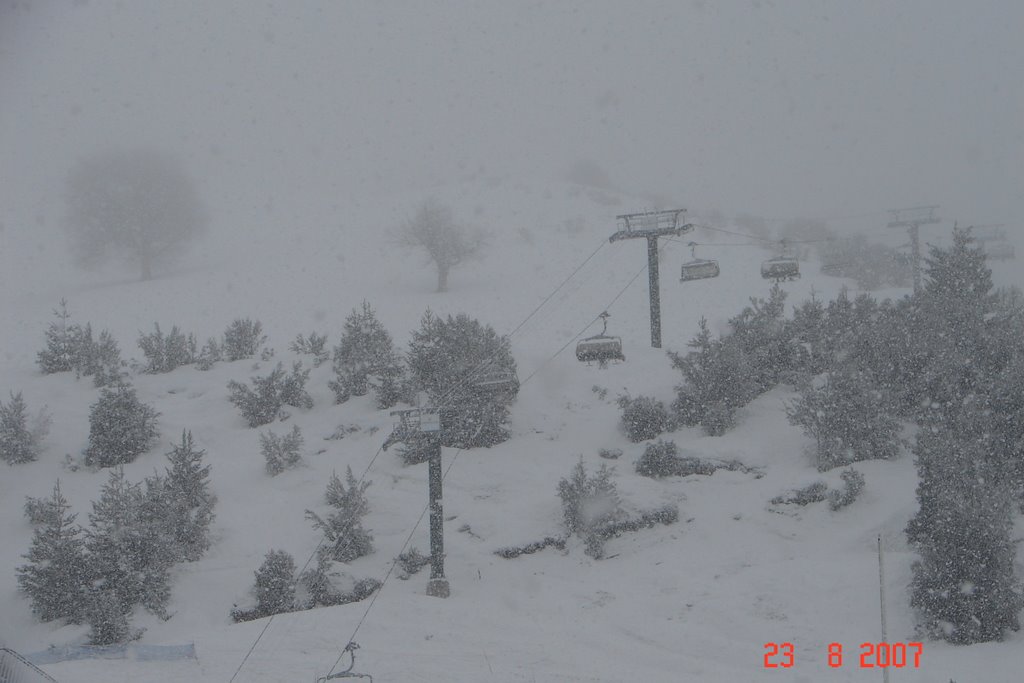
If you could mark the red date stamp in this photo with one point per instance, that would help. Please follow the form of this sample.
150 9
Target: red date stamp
871 655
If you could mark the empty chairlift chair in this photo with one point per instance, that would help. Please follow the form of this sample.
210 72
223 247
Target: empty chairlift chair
601 347
698 269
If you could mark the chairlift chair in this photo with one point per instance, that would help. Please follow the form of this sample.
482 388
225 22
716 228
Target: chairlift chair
780 268
495 381
601 347
698 269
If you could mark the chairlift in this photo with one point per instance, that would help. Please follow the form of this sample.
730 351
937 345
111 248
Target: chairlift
698 269
346 673
601 347
780 268
495 380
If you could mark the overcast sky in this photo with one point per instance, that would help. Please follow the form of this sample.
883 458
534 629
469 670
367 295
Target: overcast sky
785 108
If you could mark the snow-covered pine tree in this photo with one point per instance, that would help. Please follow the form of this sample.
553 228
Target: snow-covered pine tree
21 442
343 528
62 340
261 405
848 419
56 578
281 452
366 349
165 352
765 339
446 357
120 427
101 360
716 381
189 501
129 553
589 504
963 587
242 339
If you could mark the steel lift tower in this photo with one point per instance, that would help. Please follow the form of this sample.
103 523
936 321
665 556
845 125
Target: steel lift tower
913 218
651 225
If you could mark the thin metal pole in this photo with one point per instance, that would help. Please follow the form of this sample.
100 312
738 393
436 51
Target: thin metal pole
881 600
915 245
655 292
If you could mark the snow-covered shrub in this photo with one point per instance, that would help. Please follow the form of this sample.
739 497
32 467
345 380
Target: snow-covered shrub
589 502
281 452
314 345
662 459
848 418
321 587
346 539
366 349
643 417
451 359
21 442
515 551
56 578
242 339
120 427
260 406
209 354
410 562
102 359
853 484
274 589
812 493
39 511
167 352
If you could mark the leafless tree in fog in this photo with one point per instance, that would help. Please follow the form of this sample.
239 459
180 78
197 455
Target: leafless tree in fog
446 242
137 203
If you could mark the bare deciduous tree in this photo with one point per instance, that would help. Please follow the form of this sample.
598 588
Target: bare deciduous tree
446 242
137 203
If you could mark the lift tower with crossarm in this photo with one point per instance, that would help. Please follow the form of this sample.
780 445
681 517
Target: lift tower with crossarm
651 225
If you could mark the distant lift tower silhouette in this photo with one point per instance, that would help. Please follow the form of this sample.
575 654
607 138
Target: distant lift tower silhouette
913 218
651 225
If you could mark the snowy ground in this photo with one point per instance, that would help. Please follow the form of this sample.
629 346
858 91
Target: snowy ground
693 601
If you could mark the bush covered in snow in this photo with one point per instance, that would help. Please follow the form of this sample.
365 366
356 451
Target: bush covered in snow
589 502
21 440
165 352
643 417
242 339
120 427
315 345
281 452
274 588
260 405
812 493
343 531
853 484
366 350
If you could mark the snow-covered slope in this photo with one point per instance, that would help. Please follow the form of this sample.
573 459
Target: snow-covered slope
693 601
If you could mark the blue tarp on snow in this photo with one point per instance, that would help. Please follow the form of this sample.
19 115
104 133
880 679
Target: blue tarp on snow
140 653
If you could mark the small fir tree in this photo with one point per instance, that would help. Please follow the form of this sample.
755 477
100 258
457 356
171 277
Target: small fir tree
275 584
129 553
56 578
120 427
590 503
261 405
366 349
19 441
165 352
108 620
343 528
190 502
242 339
281 452
62 340
848 419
